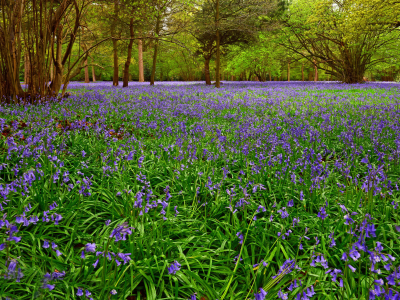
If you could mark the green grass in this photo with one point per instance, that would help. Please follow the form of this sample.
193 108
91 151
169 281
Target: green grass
315 140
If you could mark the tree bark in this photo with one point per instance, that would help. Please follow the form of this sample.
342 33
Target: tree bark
315 71
302 72
87 80
207 70
93 75
27 69
58 66
288 72
129 56
140 54
217 59
115 45
153 69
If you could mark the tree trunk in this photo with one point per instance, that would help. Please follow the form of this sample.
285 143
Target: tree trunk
302 72
218 58
51 70
140 52
153 69
93 75
57 81
129 56
27 69
115 45
116 70
207 70
288 72
87 80
315 71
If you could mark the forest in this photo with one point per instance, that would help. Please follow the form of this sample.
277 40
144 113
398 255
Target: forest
47 44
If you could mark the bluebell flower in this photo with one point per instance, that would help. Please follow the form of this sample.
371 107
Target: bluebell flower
174 267
240 236
352 268
281 295
283 212
261 295
322 213
192 297
95 263
46 244
90 247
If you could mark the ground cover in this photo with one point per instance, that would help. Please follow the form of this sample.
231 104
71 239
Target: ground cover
184 191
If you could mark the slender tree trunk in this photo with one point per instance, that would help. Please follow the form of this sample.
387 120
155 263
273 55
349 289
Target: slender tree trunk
115 45
270 79
27 69
218 58
51 70
207 70
116 69
302 72
57 81
288 72
129 56
140 54
87 80
93 75
153 69
315 71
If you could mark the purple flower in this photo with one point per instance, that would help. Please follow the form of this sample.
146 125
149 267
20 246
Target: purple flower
352 268
48 286
90 247
283 296
193 297
176 210
283 212
344 256
95 264
286 268
46 244
322 213
174 267
240 236
261 295
348 220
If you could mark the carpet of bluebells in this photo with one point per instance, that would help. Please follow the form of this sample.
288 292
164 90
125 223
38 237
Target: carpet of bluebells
184 191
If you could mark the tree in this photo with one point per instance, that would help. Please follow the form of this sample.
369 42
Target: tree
226 22
262 58
338 35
